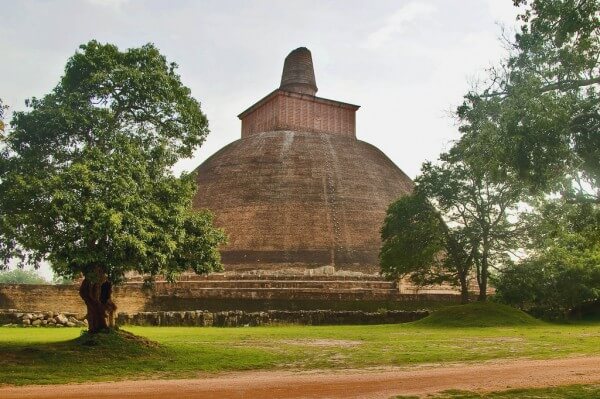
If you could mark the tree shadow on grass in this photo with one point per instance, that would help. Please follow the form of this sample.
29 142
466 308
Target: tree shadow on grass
116 354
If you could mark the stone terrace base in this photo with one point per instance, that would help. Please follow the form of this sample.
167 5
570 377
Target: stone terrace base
237 318
246 292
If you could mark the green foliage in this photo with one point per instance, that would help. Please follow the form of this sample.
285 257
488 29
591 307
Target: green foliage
537 119
20 276
539 115
85 176
476 209
478 315
3 109
457 220
412 236
563 271
551 286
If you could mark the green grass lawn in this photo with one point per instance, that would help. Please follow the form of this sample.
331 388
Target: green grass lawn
566 392
46 355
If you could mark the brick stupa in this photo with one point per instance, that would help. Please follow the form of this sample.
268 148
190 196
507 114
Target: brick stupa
298 190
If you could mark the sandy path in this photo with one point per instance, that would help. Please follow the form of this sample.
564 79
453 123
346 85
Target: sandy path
418 380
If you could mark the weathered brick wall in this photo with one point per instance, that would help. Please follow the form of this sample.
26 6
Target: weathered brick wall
263 118
133 298
297 198
65 298
298 72
283 110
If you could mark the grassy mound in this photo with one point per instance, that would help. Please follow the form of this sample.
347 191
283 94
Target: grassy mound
478 315
115 340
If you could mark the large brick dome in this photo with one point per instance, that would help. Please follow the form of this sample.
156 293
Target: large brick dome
298 189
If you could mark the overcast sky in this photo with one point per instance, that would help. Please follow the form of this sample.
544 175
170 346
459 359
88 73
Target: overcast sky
407 63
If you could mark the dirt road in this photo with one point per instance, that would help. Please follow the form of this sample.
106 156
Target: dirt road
418 380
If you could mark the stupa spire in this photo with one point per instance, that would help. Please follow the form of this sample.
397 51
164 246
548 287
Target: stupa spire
298 73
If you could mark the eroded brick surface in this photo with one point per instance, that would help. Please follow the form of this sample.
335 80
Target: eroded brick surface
287 198
298 189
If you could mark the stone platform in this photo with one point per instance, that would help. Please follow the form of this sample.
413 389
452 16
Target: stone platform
247 292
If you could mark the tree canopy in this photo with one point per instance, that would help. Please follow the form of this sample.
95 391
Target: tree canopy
417 243
538 113
456 221
536 118
86 176
562 271
2 110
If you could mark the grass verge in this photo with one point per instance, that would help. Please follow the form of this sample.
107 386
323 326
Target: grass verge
564 392
50 356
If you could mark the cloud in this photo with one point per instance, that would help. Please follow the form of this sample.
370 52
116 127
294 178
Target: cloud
116 5
503 10
398 22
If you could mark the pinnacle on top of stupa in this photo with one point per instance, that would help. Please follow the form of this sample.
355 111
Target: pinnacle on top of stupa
298 73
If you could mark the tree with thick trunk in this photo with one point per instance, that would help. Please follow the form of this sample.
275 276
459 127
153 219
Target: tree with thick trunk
86 181
97 295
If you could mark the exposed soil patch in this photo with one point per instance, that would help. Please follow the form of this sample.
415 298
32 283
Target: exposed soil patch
379 383
338 343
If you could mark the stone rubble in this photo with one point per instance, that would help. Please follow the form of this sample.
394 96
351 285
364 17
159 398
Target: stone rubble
14 318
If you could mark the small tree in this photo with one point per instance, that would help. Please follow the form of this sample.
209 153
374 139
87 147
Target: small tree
464 223
562 272
20 276
86 181
417 243
476 208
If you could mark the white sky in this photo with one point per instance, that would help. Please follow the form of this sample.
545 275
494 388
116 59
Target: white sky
407 63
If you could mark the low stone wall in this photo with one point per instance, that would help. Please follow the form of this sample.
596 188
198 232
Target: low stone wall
16 318
243 319
204 318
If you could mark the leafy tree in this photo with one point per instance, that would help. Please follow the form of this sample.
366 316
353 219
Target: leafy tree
476 209
86 181
417 243
2 110
476 228
20 276
563 271
539 113
552 285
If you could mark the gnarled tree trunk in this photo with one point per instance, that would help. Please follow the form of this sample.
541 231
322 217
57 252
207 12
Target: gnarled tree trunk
97 296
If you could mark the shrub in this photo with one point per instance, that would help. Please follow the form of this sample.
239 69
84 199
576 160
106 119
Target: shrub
550 286
20 276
